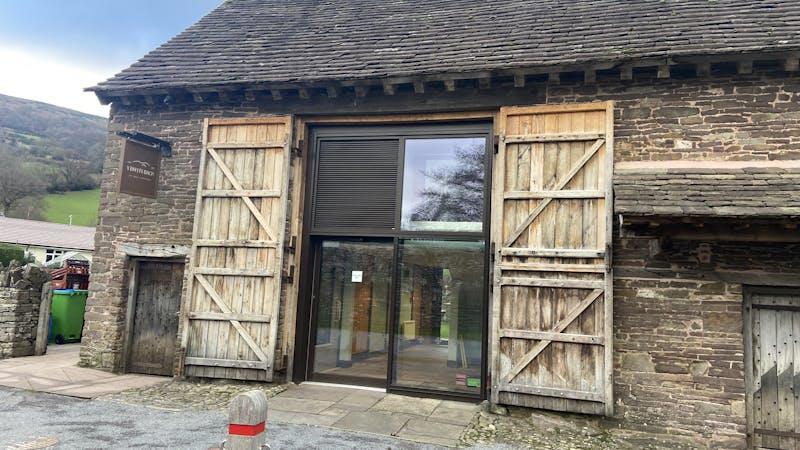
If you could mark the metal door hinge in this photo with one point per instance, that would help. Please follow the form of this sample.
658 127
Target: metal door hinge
496 144
297 150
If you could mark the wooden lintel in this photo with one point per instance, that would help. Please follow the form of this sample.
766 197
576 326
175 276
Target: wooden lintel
276 94
554 77
519 80
450 85
590 76
792 64
744 67
197 97
703 69
361 90
626 73
302 93
332 91
663 71
419 87
485 83
388 88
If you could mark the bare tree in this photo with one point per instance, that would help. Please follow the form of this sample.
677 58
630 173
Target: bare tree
16 181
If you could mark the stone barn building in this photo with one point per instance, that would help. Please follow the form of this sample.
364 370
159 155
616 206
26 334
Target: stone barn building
581 206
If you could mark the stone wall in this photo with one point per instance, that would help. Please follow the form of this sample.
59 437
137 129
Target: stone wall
678 342
20 301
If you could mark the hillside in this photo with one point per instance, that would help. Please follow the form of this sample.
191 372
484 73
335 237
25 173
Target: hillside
48 134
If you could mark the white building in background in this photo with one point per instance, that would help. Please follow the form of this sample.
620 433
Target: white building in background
47 241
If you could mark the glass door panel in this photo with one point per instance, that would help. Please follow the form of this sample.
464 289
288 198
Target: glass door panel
438 331
352 310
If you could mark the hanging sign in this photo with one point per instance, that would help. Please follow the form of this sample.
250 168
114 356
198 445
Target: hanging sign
139 172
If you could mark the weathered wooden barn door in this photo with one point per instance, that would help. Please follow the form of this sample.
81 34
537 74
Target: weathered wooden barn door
772 360
154 330
233 306
551 220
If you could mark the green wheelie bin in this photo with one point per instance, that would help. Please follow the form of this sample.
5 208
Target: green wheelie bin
66 313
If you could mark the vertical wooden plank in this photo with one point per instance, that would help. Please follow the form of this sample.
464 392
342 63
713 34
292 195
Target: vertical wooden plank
608 294
497 235
785 372
758 418
769 376
796 373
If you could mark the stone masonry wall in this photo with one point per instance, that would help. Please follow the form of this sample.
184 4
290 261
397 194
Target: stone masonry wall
20 301
678 343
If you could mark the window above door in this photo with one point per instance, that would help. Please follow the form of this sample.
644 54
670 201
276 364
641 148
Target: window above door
400 180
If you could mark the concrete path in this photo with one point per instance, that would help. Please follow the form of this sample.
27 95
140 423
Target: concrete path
57 373
422 420
34 420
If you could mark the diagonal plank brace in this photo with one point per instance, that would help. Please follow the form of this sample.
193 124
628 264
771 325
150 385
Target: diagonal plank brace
236 324
546 201
558 328
238 186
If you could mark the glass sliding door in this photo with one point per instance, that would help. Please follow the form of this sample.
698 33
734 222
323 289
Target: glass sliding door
438 327
352 311
398 227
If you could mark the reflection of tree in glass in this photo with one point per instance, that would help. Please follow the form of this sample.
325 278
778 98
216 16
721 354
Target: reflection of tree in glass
456 191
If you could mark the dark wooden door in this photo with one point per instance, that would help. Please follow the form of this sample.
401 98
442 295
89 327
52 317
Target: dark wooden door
155 321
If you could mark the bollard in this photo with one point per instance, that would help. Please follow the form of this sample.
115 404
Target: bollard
248 422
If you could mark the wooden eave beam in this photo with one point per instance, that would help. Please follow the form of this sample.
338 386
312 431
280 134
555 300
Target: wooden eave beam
791 64
450 85
663 71
276 94
303 93
519 80
626 73
703 69
744 67
388 88
590 76
419 86
250 96
332 91
554 77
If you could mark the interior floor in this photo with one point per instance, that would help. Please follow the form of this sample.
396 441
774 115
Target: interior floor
419 366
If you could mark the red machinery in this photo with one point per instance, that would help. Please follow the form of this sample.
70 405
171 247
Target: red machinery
74 275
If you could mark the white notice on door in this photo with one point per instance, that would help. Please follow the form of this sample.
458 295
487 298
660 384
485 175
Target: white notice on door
357 276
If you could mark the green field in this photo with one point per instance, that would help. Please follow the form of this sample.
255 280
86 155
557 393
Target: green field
81 204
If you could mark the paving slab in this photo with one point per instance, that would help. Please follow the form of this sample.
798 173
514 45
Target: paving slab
302 418
422 427
407 405
315 392
454 414
57 372
373 422
360 400
299 405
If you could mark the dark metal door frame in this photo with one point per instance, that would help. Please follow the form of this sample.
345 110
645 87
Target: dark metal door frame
310 256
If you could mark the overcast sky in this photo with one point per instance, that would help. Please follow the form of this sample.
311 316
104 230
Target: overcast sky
52 49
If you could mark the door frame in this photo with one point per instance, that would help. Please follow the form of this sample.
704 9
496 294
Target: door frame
130 313
747 333
303 340
316 266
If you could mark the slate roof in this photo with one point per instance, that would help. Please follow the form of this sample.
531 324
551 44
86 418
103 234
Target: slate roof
45 234
301 41
704 192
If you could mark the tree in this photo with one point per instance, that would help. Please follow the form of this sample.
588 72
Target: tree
77 174
16 181
456 193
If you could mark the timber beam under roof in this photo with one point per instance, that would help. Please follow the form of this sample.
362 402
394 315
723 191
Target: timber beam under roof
626 71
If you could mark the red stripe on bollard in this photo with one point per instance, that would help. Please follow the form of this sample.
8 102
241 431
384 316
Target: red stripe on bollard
246 430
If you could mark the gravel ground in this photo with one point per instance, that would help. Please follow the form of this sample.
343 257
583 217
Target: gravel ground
536 429
181 395
33 420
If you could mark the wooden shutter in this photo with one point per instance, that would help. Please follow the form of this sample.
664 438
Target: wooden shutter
552 215
231 321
